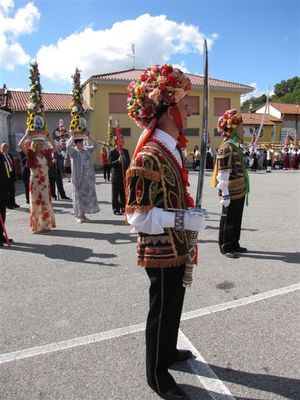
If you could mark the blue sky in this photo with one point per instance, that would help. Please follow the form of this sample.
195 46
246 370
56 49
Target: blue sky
253 42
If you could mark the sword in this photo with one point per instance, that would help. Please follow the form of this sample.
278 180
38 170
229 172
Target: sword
198 210
204 137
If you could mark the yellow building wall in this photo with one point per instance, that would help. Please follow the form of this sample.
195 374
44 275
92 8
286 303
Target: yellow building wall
99 117
267 137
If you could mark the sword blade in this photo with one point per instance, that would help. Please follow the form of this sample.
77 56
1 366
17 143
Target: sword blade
204 136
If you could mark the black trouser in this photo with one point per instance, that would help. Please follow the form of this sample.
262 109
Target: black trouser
106 172
166 295
230 226
56 179
3 201
11 201
26 178
59 182
118 196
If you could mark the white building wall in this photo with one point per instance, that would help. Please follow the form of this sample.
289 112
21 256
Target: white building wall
270 110
4 129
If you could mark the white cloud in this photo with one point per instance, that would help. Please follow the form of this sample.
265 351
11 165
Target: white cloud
257 92
156 40
11 27
6 4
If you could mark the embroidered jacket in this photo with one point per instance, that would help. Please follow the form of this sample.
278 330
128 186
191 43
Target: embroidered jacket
229 159
153 180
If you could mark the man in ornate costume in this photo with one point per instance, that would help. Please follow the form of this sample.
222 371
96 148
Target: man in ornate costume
157 181
231 178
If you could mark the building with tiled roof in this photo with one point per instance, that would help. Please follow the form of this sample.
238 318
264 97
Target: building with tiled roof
107 95
289 115
196 80
270 130
14 104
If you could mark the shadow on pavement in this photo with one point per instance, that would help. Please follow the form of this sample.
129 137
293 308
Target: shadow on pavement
66 253
290 258
288 388
217 228
112 238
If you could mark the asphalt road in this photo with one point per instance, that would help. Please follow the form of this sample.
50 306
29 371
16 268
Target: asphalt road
73 305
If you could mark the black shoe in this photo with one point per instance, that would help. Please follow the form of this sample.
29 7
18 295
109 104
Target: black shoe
3 240
174 394
65 198
10 207
231 254
16 205
116 212
183 355
241 250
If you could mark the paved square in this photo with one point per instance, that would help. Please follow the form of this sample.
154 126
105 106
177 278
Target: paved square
73 305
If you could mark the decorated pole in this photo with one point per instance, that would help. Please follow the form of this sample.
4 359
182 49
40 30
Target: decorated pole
36 119
78 124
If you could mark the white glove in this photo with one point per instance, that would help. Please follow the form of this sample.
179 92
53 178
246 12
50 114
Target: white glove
225 202
194 222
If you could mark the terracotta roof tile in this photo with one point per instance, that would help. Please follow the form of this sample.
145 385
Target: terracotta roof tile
255 119
17 101
285 108
197 80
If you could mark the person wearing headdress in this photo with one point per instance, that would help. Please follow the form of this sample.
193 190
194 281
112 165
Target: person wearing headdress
157 181
39 158
80 147
118 162
230 176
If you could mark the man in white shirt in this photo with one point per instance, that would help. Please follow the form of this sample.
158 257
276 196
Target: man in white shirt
157 195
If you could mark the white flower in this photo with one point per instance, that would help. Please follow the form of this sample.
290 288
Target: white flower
74 109
154 95
30 106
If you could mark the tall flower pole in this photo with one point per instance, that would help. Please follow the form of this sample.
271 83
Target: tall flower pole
78 124
36 119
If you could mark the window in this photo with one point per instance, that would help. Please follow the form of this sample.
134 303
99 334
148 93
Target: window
220 106
193 102
191 132
124 131
117 103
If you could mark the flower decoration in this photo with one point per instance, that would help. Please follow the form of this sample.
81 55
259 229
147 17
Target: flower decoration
229 121
36 120
78 122
158 87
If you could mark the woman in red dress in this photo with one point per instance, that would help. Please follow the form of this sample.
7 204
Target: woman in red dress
39 159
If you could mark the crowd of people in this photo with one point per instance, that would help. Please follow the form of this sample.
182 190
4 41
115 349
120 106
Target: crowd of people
256 157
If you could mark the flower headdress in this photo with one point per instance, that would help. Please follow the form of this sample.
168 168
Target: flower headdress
36 120
229 121
78 124
157 88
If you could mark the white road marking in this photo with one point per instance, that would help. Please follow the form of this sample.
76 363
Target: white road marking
240 302
208 379
98 337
